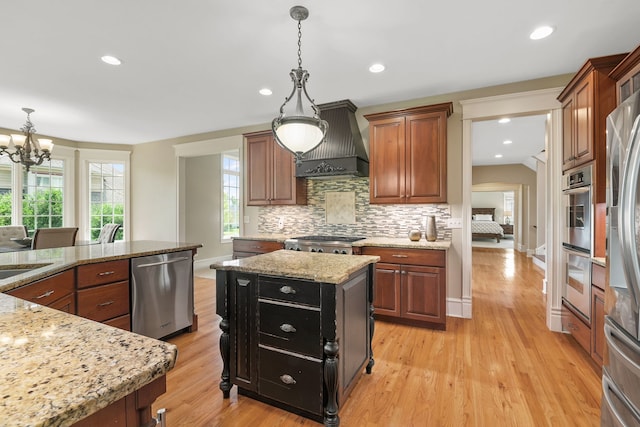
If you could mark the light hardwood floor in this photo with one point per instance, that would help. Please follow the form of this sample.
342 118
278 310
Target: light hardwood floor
503 367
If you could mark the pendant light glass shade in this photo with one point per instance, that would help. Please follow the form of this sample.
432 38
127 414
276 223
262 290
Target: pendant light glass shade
299 133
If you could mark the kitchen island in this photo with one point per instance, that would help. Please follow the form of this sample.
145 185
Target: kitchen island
60 369
296 328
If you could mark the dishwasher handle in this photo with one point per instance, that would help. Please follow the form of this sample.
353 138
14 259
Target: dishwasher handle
170 261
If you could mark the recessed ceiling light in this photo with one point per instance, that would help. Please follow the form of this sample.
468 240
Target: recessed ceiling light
498 156
265 91
507 142
376 68
541 32
111 60
504 120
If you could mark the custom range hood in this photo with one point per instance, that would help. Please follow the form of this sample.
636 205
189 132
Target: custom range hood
342 153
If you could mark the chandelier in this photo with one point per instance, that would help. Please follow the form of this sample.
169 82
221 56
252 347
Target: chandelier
26 149
299 133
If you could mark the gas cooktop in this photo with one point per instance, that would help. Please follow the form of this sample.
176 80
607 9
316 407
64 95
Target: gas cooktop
328 238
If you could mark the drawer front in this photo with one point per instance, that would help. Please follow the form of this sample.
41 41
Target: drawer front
290 328
581 332
598 275
295 291
291 380
47 291
103 272
256 246
122 322
430 257
104 302
67 304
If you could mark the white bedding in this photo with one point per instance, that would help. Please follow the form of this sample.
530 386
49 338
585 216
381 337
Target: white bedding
486 227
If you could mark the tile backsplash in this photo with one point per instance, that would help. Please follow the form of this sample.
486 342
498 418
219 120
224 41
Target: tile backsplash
371 220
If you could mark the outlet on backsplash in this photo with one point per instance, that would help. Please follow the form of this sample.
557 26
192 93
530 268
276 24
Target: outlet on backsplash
281 223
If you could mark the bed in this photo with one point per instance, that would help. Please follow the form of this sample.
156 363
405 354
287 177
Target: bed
483 224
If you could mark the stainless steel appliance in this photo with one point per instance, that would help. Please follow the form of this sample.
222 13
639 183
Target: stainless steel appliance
162 293
621 375
327 244
577 242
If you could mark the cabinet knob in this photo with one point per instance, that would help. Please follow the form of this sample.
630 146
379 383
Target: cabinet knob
287 379
288 328
287 290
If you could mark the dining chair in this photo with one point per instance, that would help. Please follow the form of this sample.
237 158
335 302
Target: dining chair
108 233
45 238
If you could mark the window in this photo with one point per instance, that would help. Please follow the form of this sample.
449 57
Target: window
6 194
230 195
43 195
107 196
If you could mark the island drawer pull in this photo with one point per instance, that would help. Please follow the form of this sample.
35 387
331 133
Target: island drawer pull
46 294
106 273
400 256
287 290
287 379
106 303
288 328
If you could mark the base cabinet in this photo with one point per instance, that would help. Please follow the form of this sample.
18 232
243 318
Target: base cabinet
411 286
295 344
243 248
57 291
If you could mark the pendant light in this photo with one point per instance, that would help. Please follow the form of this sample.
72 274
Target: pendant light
299 133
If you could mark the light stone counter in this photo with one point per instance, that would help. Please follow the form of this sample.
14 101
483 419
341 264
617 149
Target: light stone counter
50 261
319 267
601 261
57 368
402 242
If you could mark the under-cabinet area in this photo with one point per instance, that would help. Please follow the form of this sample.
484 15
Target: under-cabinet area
296 329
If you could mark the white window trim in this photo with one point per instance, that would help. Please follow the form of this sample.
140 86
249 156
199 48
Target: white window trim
236 153
66 154
87 156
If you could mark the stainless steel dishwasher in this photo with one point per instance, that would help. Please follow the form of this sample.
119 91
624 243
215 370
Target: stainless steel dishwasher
162 293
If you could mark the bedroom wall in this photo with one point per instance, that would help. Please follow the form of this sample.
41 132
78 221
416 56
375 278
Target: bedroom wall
489 199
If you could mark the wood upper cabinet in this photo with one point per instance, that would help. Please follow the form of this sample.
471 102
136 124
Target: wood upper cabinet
627 75
270 174
408 155
586 101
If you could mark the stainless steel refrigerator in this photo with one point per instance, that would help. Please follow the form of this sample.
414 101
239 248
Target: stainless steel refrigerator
621 374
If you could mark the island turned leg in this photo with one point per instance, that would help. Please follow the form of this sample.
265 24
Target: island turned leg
331 418
225 384
372 325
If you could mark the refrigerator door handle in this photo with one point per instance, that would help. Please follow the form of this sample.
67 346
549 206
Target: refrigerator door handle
170 261
609 387
627 215
611 332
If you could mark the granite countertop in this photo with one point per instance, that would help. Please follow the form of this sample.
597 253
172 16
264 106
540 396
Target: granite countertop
319 267
46 262
389 242
600 261
57 368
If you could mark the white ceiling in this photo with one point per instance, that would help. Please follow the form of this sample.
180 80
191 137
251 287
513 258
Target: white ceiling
194 66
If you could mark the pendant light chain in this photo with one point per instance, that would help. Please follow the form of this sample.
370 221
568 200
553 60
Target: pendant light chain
299 44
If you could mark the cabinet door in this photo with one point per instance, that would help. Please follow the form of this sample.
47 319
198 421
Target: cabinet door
597 325
426 158
584 129
567 134
242 326
423 294
283 177
386 299
259 163
387 160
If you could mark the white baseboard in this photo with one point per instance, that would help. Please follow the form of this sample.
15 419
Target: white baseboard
459 307
205 263
538 262
554 322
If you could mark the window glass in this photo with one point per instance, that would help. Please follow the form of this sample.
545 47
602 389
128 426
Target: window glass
5 190
107 196
42 196
230 195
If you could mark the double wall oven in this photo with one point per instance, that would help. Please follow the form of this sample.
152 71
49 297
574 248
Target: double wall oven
577 241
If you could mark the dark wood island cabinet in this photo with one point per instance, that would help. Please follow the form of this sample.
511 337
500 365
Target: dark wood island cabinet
296 328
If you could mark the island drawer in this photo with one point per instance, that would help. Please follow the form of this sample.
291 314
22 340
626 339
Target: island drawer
102 272
295 291
104 302
293 380
260 246
290 328
47 291
430 257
